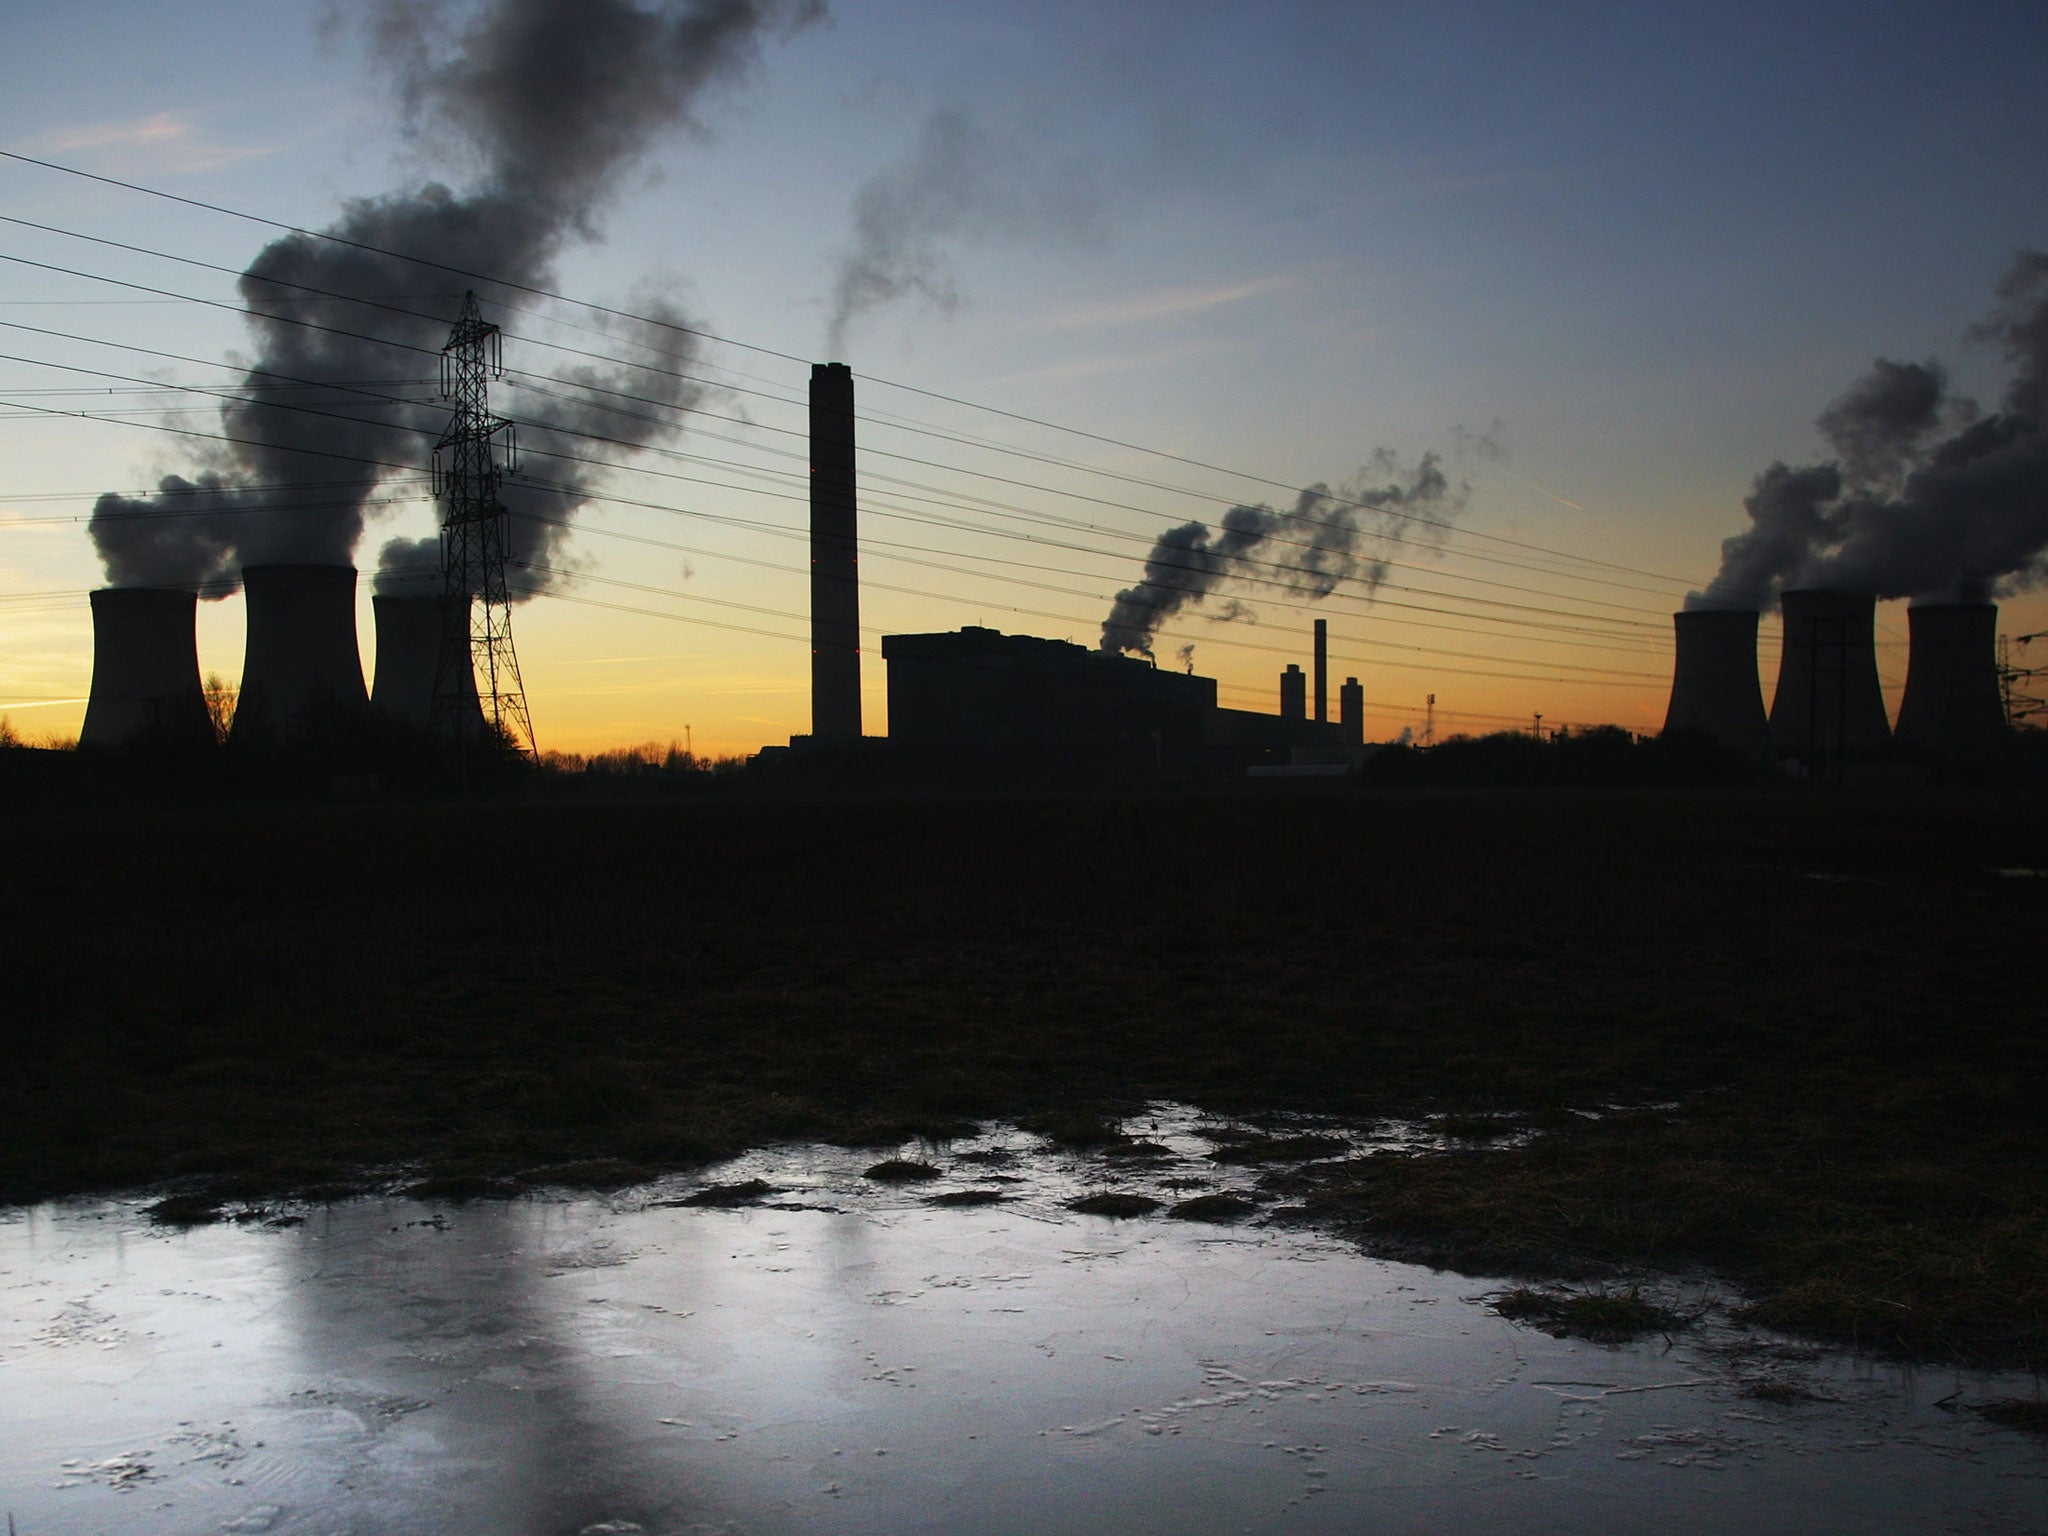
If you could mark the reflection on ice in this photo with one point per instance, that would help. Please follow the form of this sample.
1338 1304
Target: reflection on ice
844 1355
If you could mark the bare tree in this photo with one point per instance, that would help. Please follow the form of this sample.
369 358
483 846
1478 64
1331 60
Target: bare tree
220 705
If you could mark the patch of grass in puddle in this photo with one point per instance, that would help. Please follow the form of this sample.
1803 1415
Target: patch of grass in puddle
1139 1150
899 1170
1077 1132
459 1187
1279 1149
1607 1317
729 1197
1776 1391
1113 1203
194 1210
1219 1208
2027 1413
968 1197
591 1173
1475 1127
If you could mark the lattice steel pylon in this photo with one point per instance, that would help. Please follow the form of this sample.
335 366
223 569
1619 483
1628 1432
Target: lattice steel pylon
476 612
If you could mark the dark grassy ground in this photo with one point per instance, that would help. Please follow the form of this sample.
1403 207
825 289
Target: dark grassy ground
1836 999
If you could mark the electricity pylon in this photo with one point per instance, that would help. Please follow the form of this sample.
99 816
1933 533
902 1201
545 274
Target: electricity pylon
476 608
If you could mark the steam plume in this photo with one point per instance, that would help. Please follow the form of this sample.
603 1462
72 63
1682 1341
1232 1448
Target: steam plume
1327 538
1926 498
961 179
551 102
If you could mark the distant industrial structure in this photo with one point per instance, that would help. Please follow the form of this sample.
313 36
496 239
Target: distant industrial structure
1714 685
412 629
835 560
974 699
145 670
1953 701
473 455
1015 705
1828 711
299 661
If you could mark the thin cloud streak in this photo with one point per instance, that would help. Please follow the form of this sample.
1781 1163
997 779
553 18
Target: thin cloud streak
166 141
1106 363
1164 304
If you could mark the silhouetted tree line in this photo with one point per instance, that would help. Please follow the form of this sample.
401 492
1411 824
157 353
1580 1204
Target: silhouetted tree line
1607 756
1602 756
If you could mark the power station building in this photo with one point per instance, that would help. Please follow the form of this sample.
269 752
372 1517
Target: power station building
981 700
980 694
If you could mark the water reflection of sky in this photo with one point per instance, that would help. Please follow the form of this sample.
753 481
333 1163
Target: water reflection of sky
861 1361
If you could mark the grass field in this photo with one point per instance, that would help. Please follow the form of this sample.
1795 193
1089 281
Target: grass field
1821 1016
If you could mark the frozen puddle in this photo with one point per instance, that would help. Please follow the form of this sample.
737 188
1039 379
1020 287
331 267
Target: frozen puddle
849 1358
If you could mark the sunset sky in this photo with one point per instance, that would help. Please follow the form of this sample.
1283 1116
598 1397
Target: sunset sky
1130 265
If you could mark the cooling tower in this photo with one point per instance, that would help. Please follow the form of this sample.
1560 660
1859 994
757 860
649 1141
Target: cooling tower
145 669
1828 708
1952 704
1714 685
835 569
300 660
409 637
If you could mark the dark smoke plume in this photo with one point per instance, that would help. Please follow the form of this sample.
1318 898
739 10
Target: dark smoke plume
1925 498
1325 540
1877 427
551 101
960 180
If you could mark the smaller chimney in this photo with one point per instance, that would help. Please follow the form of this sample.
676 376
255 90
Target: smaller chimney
1322 671
1293 693
1351 713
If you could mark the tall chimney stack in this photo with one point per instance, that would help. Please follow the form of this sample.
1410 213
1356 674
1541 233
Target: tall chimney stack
1322 671
1351 712
835 572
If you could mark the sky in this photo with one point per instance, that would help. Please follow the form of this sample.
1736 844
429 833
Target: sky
1100 272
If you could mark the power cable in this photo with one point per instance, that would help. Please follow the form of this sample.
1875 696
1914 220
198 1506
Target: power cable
642 469
773 352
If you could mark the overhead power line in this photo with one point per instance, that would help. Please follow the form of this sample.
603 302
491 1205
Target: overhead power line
690 409
642 447
707 335
1375 601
